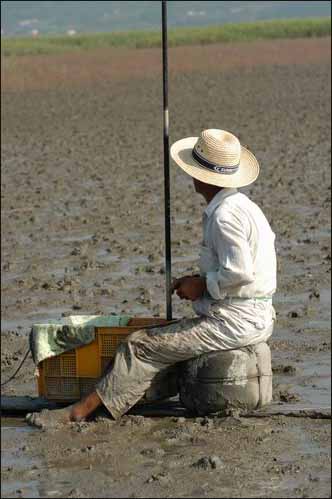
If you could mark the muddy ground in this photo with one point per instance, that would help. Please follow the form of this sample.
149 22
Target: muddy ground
82 232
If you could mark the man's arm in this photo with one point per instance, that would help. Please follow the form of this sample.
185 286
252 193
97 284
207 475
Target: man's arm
236 266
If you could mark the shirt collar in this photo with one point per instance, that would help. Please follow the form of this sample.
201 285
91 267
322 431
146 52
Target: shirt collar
218 198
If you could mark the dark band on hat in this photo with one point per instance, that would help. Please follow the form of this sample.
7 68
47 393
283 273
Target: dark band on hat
227 170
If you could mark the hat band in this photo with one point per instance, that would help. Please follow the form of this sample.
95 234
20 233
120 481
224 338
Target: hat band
227 170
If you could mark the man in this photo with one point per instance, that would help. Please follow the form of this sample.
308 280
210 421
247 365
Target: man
232 295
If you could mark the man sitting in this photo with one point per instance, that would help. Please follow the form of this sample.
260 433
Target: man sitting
232 296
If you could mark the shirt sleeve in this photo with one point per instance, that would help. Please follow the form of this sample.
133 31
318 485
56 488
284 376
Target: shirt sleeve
235 260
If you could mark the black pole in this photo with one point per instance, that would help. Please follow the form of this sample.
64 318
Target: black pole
166 168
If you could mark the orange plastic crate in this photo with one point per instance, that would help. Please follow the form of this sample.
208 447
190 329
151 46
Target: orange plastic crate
71 375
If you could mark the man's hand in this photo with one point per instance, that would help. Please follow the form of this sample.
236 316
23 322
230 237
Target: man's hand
189 287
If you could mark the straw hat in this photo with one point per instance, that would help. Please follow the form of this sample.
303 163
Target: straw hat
217 158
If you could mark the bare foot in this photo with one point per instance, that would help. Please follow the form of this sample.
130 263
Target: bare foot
77 412
49 419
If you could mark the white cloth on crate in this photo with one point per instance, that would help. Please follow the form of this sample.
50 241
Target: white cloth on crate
238 260
57 337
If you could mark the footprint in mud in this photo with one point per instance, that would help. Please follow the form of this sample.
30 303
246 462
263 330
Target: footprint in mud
288 369
133 420
153 453
76 493
209 463
162 478
282 394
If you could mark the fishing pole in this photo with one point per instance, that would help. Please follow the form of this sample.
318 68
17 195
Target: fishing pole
168 267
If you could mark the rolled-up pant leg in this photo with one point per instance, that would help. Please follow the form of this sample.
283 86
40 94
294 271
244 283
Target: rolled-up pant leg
147 352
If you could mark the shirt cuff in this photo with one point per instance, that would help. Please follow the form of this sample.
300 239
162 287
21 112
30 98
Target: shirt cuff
212 285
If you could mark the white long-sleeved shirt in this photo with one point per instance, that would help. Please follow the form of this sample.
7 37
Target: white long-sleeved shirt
238 260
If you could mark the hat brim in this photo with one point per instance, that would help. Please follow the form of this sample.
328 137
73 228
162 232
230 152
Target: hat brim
181 153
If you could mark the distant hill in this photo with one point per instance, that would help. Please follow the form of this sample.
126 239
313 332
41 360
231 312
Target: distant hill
20 18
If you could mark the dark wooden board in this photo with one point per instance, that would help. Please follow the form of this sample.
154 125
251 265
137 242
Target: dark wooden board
23 404
172 407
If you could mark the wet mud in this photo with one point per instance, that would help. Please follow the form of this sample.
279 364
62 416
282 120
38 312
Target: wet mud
82 232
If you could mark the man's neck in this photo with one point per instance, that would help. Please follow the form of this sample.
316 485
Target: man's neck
210 193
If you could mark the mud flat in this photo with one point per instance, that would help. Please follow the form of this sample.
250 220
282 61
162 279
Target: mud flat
82 232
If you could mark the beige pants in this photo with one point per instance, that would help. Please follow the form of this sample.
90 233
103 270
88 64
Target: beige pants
146 354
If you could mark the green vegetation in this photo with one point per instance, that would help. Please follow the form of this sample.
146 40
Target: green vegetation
298 28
